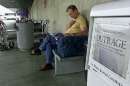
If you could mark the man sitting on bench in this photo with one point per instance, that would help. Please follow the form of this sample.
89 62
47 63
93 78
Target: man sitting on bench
77 28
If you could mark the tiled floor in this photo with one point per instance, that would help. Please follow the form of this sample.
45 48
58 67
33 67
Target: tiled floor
21 69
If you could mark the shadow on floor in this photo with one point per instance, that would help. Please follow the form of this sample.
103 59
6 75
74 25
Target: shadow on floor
21 69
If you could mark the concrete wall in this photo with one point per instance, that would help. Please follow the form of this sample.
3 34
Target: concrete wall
55 11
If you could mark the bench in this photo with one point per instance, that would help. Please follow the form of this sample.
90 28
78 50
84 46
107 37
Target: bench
66 62
68 65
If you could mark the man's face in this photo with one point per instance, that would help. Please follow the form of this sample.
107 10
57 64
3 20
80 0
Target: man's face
72 13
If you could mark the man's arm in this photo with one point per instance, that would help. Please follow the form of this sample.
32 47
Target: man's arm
83 32
70 24
83 27
68 27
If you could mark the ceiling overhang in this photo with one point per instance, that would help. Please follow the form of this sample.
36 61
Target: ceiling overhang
16 3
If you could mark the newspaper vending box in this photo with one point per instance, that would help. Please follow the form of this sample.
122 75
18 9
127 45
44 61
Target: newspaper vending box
108 52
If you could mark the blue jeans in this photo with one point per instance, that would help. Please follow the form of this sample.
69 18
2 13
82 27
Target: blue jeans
50 43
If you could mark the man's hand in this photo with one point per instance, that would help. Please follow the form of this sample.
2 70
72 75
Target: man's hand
70 24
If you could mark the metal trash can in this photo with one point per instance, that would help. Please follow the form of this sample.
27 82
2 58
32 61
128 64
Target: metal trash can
25 35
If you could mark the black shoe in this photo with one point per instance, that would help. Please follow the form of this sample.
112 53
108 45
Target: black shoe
35 52
46 67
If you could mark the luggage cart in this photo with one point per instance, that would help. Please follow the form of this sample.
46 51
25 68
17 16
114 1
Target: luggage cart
5 44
